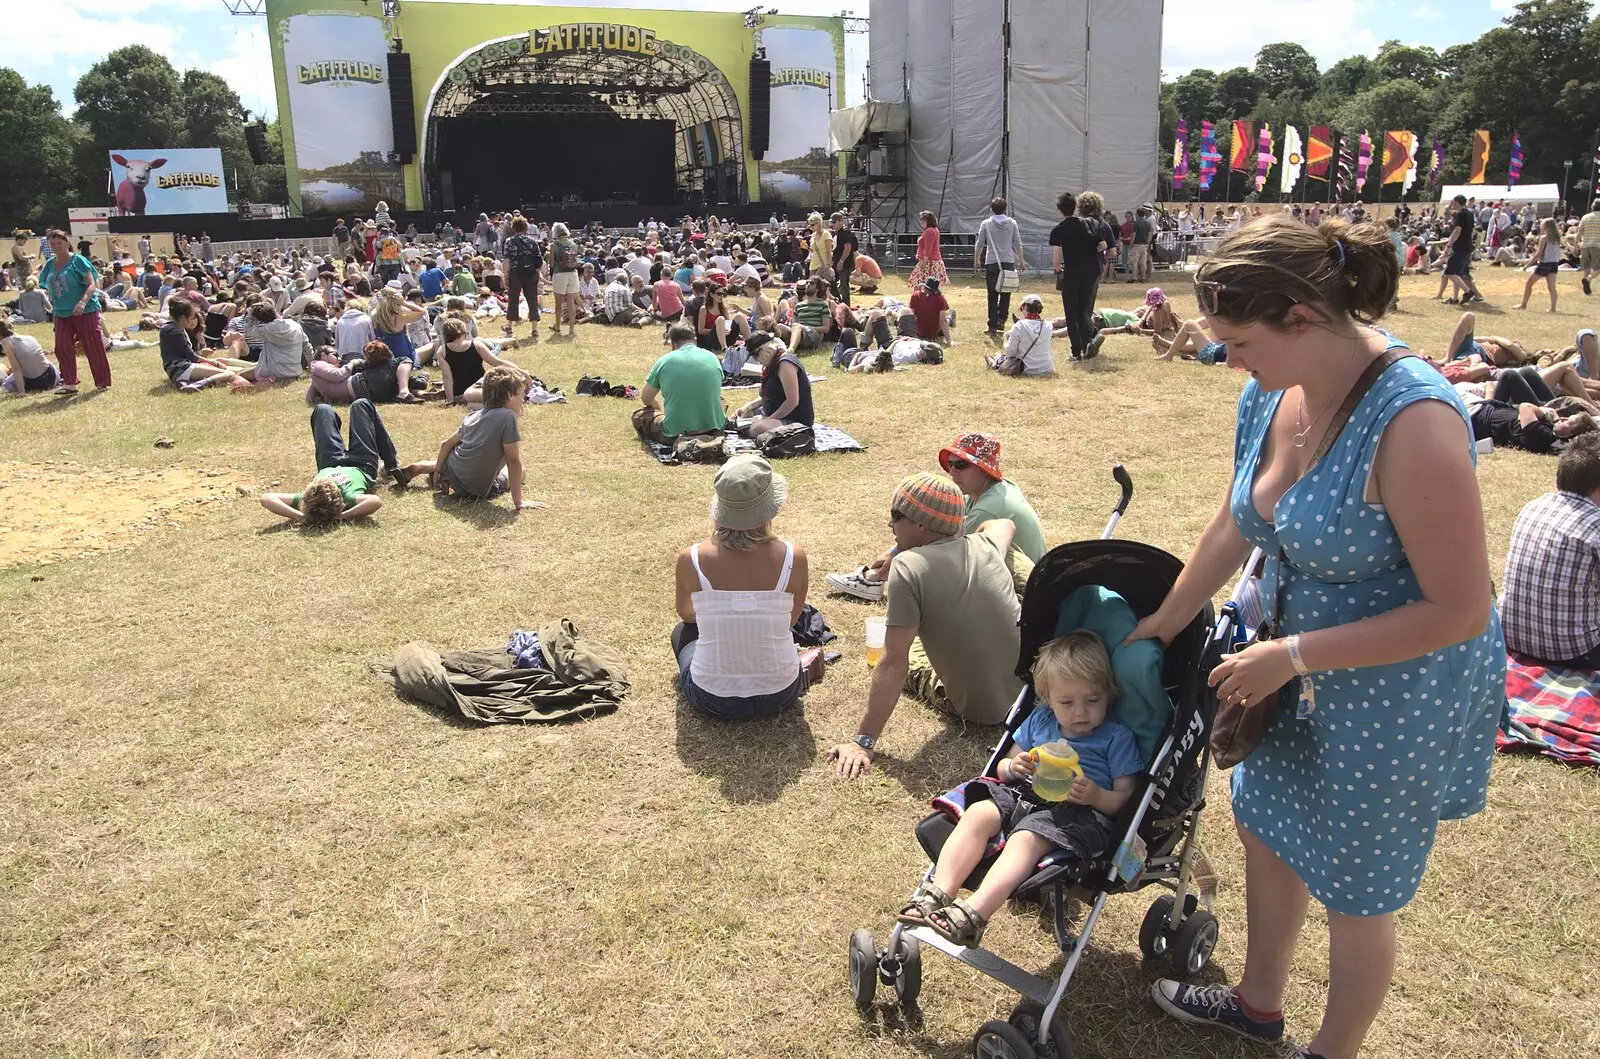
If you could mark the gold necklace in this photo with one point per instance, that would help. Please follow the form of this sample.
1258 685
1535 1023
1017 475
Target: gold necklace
1304 429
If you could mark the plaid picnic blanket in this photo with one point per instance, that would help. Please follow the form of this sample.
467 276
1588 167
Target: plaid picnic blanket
1551 710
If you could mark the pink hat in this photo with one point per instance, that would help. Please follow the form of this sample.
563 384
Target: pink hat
1155 296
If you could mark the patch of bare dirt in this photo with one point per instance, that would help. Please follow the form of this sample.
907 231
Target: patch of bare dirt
53 512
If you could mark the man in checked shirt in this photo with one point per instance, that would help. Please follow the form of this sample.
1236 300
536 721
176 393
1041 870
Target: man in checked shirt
1551 602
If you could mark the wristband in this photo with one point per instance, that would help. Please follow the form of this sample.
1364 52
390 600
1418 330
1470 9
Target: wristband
1293 644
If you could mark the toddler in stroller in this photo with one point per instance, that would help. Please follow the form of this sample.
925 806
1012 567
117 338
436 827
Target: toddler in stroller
1150 836
1074 682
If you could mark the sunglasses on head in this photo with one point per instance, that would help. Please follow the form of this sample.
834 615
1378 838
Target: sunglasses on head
958 465
1211 294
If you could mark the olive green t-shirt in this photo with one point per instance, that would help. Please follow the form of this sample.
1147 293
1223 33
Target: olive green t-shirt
958 595
1004 500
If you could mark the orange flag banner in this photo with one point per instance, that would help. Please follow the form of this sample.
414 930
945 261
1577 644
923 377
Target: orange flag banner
1398 150
1244 153
1480 156
1319 152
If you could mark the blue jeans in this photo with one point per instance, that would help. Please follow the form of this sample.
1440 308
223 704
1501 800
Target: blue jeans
369 441
685 638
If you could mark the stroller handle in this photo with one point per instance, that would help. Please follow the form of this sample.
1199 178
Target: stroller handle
1120 473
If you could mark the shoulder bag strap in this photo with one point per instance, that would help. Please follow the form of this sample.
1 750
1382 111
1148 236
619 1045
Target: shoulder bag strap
1336 425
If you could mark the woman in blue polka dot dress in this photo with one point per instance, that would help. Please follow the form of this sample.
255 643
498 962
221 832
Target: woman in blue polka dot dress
1383 592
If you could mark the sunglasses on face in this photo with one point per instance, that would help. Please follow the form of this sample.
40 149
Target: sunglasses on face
894 516
958 465
1211 295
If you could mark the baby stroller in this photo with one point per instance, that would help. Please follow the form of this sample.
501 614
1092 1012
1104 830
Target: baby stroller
1155 835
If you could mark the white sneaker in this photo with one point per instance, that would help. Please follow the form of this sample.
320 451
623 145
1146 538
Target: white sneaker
856 584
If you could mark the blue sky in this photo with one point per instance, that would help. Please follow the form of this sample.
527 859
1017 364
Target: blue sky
65 37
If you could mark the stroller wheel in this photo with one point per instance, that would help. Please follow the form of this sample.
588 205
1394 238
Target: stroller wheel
1026 1017
863 968
908 982
1196 939
1155 941
1001 1040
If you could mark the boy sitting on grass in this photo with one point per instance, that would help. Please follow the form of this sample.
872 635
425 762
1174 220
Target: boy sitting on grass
1073 676
347 476
481 459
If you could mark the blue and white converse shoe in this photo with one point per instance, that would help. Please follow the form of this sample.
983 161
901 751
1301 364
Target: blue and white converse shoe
1212 1005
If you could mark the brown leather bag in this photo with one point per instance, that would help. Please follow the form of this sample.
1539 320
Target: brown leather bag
1237 730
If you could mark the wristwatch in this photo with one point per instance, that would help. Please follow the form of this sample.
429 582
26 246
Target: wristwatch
864 741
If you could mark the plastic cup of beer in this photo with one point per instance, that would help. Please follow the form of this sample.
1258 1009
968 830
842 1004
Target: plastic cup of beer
876 628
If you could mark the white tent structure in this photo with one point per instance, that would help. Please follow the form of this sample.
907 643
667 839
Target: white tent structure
1021 98
1538 194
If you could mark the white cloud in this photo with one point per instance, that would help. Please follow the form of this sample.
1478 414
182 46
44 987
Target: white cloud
247 67
1228 33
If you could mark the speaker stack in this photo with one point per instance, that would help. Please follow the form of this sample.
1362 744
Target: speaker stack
402 109
760 104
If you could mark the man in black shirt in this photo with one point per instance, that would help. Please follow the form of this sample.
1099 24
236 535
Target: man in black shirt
844 258
1458 253
1529 427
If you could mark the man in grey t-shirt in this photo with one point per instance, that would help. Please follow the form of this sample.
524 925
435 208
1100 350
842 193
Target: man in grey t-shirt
476 465
482 458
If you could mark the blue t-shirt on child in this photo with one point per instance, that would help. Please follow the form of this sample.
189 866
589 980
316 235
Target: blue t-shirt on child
1106 754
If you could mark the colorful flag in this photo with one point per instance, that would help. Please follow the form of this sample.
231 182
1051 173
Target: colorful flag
1347 168
1209 155
1363 161
1399 152
1180 154
1514 174
1438 159
1292 160
1241 147
1320 153
1480 156
1264 155
1411 164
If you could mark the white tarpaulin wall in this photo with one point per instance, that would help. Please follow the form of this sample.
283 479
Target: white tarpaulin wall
1082 97
1501 193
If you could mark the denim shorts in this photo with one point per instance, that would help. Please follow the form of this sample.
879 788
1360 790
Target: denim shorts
729 708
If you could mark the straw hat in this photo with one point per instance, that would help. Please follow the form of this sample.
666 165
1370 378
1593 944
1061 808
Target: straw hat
749 495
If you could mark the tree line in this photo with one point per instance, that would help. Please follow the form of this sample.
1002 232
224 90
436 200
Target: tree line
131 99
1537 74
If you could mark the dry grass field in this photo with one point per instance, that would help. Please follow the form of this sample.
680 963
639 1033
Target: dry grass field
222 837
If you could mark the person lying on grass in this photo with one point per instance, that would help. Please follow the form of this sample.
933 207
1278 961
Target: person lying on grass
1073 679
347 475
482 458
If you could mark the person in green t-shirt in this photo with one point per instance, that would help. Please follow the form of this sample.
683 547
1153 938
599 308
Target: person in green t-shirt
688 382
347 475
973 463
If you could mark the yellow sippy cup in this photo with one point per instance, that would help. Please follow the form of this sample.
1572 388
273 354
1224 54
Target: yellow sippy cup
1057 766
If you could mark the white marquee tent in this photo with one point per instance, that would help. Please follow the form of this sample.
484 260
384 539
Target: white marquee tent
1072 104
1538 194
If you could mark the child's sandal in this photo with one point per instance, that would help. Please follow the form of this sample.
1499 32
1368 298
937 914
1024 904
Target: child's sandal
959 923
927 900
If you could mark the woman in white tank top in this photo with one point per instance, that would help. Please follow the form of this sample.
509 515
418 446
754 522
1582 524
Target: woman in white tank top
738 595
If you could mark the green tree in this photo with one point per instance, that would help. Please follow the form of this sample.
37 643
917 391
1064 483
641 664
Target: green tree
1390 105
1285 67
1236 92
1346 77
1194 95
131 98
1398 61
36 174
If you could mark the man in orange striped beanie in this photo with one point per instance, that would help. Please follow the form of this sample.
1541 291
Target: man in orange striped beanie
952 637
